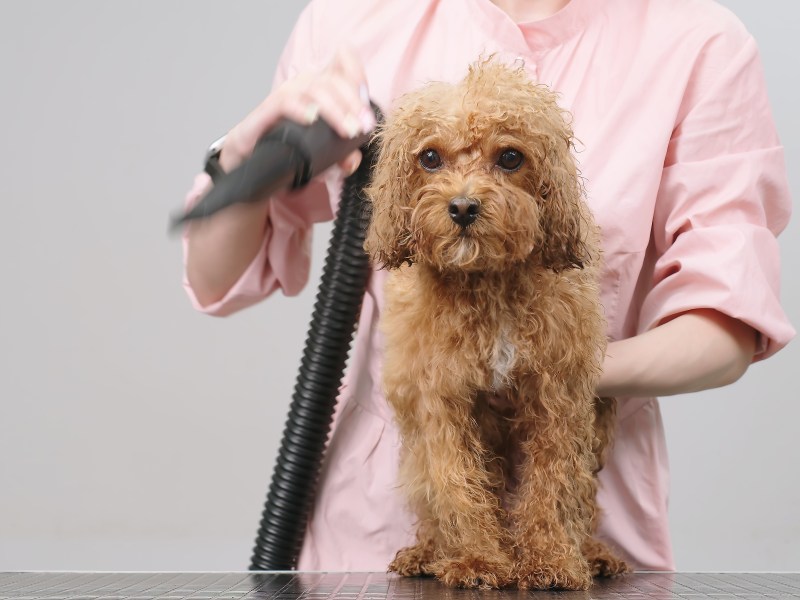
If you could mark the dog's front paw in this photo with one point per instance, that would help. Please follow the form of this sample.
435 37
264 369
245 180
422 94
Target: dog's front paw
413 561
473 572
602 561
572 575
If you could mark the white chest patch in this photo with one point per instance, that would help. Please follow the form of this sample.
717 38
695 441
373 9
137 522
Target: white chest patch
503 358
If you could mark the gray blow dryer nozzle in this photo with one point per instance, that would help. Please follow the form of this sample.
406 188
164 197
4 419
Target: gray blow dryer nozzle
285 158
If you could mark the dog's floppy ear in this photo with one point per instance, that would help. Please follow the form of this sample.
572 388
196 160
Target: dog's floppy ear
389 238
564 215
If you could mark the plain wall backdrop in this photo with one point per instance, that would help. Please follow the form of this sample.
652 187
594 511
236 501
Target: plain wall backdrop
136 434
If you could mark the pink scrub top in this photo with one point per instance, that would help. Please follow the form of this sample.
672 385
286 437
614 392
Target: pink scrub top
684 173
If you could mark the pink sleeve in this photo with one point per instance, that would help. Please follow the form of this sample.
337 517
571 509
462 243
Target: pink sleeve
283 261
723 200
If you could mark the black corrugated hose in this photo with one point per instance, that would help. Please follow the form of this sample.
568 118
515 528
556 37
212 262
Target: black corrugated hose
336 311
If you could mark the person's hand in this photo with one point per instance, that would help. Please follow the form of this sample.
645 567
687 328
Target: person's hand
220 248
338 95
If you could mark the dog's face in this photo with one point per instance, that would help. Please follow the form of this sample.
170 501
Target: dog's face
477 176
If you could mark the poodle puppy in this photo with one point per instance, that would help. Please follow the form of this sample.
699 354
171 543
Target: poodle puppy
494 333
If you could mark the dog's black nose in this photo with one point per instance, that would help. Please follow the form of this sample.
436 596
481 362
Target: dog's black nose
464 211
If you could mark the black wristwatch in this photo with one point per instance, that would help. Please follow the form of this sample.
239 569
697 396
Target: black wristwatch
212 166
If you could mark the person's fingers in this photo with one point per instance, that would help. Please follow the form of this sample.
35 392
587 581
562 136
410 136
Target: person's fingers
290 100
301 108
338 95
347 64
350 164
340 106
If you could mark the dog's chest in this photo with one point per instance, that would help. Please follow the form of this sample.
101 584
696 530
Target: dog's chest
502 360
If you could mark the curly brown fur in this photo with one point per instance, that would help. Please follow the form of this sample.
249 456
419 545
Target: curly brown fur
494 332
603 562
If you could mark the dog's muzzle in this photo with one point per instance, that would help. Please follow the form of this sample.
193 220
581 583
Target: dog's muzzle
464 211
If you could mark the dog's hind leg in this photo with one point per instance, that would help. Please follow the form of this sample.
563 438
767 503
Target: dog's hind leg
417 560
604 425
603 562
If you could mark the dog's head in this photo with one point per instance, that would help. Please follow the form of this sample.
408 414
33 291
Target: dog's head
477 176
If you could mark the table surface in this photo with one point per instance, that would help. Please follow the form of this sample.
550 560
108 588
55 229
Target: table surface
378 586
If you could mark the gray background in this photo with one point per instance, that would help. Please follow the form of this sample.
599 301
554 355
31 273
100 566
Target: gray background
137 434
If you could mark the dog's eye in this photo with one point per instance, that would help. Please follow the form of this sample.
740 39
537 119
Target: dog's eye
510 160
430 160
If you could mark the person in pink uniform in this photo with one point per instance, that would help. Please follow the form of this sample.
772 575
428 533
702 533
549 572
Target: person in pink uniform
684 173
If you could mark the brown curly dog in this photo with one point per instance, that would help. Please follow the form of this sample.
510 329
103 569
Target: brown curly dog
494 333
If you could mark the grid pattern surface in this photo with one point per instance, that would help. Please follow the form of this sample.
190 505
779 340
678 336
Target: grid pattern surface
378 586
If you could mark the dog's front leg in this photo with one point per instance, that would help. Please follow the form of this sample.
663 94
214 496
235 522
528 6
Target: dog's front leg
444 469
554 506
